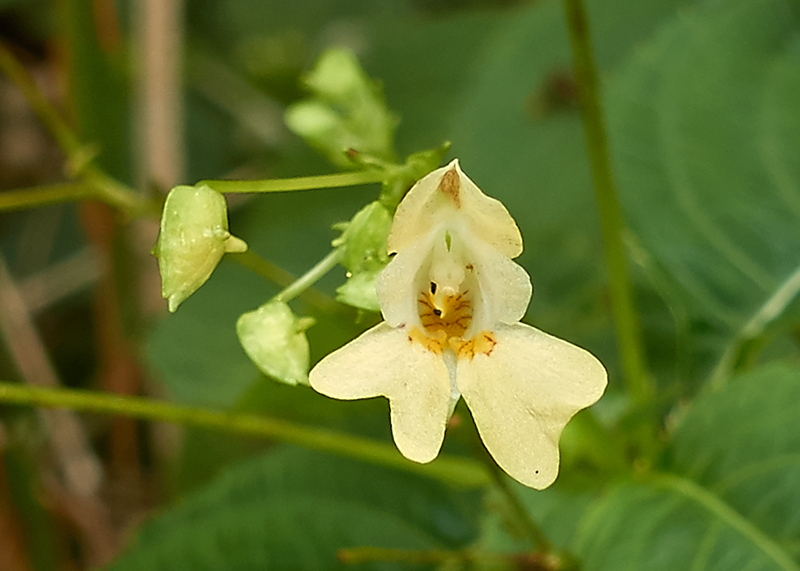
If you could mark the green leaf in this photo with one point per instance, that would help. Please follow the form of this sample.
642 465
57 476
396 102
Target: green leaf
744 444
674 524
704 122
293 509
730 501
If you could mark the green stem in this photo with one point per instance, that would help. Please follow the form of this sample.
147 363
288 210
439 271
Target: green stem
277 275
452 470
44 195
538 539
626 320
104 188
118 195
311 277
297 183
47 114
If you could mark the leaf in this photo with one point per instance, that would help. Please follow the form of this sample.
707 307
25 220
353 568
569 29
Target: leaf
730 500
293 509
704 131
744 443
673 524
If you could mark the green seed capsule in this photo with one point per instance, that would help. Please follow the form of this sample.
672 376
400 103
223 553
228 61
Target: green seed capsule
193 238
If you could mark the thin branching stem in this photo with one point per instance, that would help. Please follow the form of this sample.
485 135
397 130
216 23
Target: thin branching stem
626 318
311 277
79 157
336 180
273 273
47 114
44 195
451 470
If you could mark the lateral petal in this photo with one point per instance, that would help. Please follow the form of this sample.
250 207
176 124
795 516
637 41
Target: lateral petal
397 284
505 286
523 393
383 361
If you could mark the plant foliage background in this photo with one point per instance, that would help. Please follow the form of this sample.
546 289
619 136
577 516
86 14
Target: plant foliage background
702 101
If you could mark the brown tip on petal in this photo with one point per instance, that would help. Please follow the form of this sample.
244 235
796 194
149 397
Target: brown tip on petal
451 186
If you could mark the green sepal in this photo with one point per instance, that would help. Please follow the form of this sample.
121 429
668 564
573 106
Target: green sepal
192 240
274 338
400 178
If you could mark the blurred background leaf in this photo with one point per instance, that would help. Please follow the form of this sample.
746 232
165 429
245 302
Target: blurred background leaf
728 499
703 120
294 509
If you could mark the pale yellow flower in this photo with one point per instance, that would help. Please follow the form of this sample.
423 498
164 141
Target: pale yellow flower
452 299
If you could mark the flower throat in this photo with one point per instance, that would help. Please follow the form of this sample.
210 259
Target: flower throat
446 305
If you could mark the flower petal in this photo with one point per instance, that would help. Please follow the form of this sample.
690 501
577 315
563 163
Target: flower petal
505 286
397 284
384 362
523 393
427 204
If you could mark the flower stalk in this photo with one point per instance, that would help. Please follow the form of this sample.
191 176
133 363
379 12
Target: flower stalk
336 180
309 278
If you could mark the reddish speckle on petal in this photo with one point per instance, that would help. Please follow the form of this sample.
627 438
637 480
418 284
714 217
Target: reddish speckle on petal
451 186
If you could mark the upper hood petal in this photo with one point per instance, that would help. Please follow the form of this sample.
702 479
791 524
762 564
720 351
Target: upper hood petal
448 192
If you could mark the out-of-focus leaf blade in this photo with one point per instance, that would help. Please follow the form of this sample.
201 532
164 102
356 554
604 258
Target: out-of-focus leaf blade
674 524
730 499
744 444
704 123
293 509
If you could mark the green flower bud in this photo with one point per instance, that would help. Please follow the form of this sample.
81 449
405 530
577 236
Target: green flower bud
359 291
347 111
275 340
364 239
193 238
364 254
